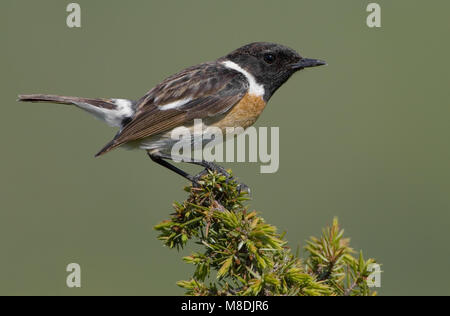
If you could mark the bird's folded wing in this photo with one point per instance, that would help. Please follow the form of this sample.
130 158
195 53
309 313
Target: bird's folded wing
198 92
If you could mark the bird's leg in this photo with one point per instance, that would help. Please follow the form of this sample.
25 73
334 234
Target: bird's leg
161 158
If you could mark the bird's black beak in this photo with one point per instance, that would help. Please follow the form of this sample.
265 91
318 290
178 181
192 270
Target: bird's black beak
308 62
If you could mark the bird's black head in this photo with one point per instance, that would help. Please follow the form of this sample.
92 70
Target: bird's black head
271 64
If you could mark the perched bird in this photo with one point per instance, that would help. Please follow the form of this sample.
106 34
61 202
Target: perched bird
231 91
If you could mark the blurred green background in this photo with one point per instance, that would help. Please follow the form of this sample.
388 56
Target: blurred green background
364 139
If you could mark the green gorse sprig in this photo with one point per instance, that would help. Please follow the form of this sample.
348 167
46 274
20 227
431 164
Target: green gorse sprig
243 255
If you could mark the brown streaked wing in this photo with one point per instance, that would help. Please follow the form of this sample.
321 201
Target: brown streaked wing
193 82
212 88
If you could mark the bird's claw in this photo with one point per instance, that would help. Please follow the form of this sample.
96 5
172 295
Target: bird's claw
242 187
195 179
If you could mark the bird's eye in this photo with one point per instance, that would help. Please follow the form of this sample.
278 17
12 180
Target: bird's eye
269 58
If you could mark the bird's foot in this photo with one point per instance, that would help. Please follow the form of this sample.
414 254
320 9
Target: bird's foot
242 187
198 177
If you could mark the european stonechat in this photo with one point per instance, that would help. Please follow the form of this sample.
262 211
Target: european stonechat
231 91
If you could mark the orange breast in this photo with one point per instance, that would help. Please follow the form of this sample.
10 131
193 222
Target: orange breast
243 114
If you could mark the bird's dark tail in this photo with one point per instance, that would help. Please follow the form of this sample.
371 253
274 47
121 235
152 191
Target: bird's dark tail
115 112
100 103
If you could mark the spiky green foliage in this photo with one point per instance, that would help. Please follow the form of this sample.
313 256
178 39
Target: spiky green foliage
243 255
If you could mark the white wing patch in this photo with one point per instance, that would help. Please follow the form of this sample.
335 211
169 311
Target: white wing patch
174 105
255 88
113 117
